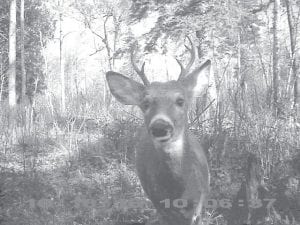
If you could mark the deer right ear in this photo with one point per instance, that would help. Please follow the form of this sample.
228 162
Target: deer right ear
125 90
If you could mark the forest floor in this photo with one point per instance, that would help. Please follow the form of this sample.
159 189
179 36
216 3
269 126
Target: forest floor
84 173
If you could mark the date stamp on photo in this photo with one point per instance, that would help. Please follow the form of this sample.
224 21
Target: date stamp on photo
126 204
221 203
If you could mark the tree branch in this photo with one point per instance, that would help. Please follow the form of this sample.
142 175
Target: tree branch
262 7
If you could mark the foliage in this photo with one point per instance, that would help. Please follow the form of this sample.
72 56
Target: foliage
39 29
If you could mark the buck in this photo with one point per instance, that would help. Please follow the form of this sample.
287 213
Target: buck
170 162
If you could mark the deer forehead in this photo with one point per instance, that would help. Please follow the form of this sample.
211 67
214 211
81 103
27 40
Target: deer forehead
165 90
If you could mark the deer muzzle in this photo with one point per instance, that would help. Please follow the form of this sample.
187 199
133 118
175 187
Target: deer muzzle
161 130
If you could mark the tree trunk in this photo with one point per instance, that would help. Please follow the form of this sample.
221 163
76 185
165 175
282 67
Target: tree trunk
293 55
23 72
12 56
62 66
2 76
275 57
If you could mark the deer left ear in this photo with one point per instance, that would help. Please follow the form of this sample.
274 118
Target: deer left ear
125 90
198 80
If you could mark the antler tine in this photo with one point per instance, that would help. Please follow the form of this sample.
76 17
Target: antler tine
140 72
185 70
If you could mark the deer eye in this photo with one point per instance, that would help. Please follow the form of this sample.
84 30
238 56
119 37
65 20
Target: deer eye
180 102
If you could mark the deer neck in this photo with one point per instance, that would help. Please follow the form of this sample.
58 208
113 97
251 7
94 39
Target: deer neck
172 153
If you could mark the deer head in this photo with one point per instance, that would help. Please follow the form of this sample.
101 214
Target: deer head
164 105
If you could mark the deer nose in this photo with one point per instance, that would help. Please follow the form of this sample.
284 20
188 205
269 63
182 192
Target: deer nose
161 128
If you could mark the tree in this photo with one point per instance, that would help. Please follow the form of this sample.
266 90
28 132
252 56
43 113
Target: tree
38 20
22 56
12 55
62 60
103 19
293 25
275 57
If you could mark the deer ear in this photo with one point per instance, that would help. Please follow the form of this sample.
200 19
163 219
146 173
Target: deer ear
198 80
125 90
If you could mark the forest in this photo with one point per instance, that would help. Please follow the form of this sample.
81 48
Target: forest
67 145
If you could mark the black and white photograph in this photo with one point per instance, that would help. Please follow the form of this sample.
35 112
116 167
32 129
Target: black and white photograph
149 112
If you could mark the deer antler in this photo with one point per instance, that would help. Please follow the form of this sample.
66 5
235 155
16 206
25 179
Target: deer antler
140 72
185 70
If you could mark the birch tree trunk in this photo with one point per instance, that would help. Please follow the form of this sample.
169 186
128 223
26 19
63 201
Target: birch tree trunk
23 72
62 64
12 56
292 53
275 57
